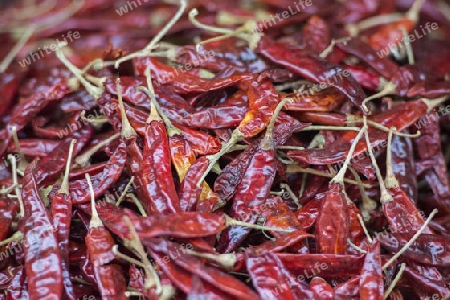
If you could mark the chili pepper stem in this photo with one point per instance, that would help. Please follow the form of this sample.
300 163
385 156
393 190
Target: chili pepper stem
232 222
267 142
291 193
339 178
385 196
366 232
385 129
432 103
354 29
95 220
150 46
236 137
65 183
413 13
396 279
246 32
333 43
124 192
408 47
83 159
356 247
12 158
95 91
15 50
137 203
156 112
127 129
227 260
390 180
368 204
388 88
336 128
22 162
293 168
409 243
151 278
96 122
16 237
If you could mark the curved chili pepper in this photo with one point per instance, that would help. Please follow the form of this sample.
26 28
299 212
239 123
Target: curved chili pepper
268 265
183 278
42 255
427 249
184 83
79 191
189 193
399 117
35 147
48 168
157 174
383 65
313 68
220 280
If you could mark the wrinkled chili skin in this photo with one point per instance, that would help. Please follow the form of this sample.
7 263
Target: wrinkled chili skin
332 225
157 173
42 254
372 282
313 68
48 168
61 213
79 189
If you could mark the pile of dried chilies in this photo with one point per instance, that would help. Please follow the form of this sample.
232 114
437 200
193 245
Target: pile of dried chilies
225 149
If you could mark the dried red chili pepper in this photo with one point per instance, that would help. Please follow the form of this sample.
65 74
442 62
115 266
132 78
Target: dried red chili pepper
61 212
99 243
371 282
313 68
41 244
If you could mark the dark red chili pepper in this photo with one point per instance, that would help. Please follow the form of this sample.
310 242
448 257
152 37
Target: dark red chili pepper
61 212
184 83
99 243
313 68
48 168
42 253
220 280
102 181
